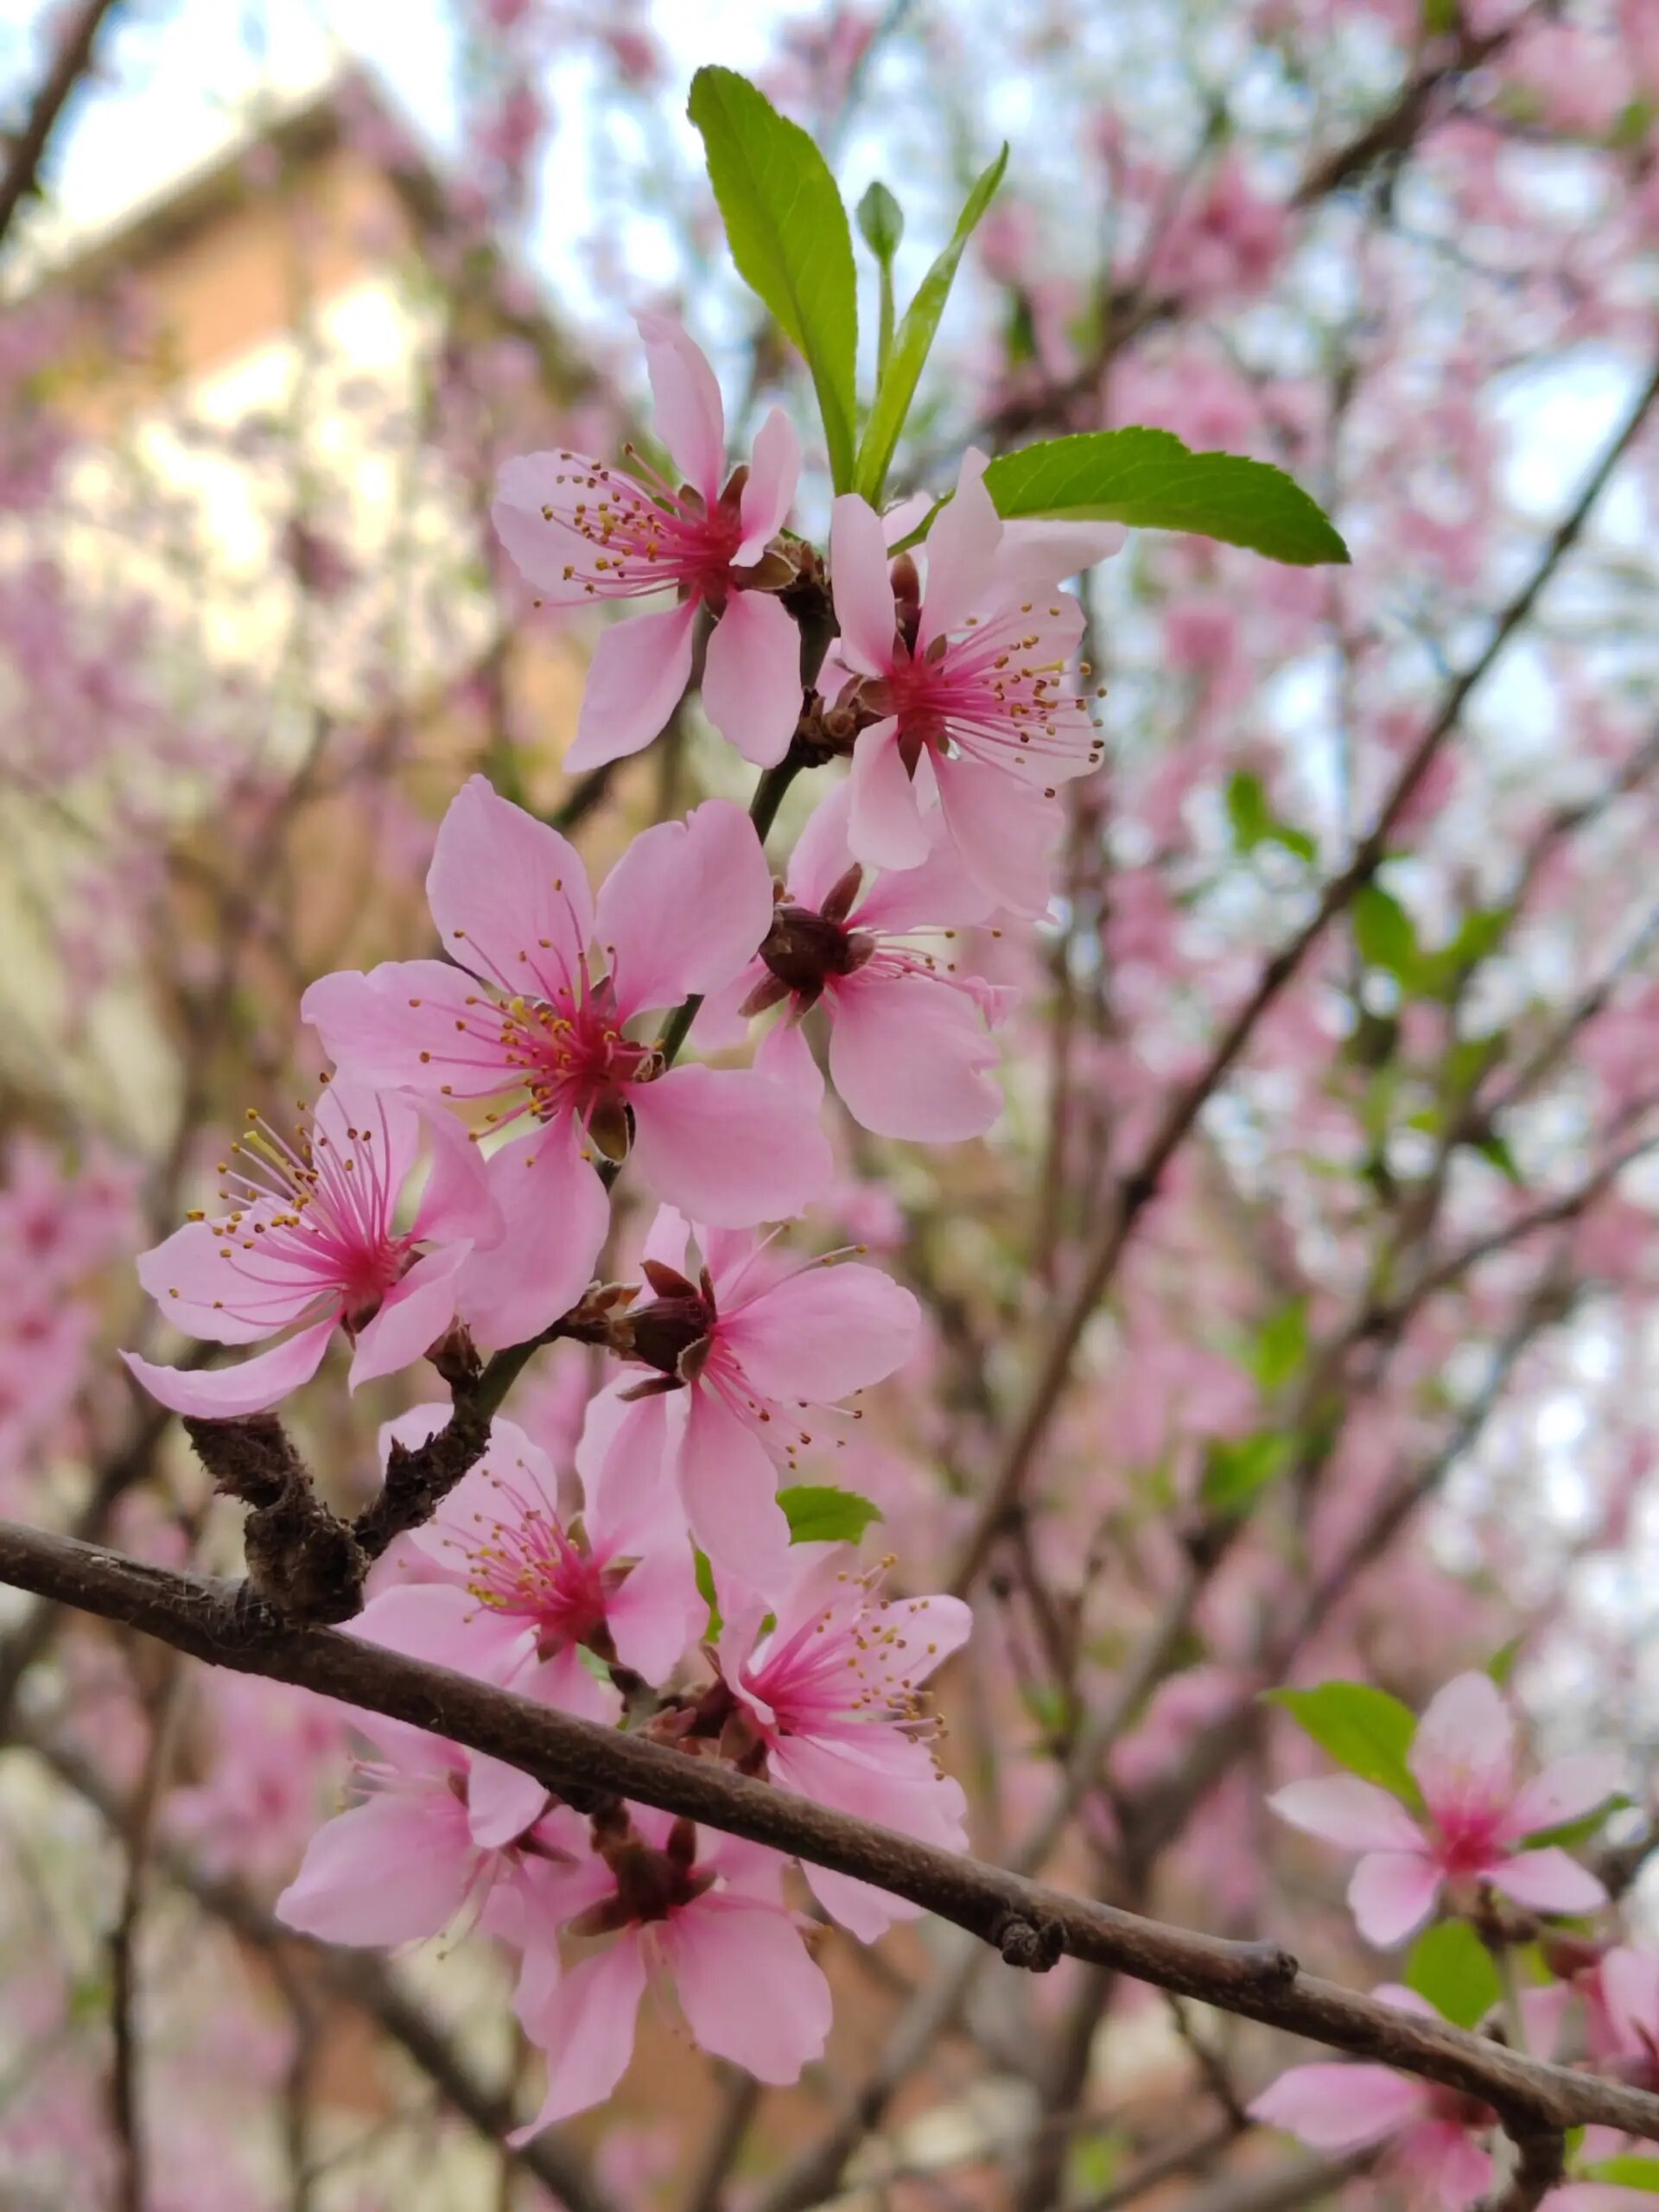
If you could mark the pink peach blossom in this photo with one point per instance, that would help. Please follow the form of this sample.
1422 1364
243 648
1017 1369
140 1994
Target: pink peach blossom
581 531
827 1673
971 681
910 1051
535 1017
310 1236
1478 1819
734 1355
704 1912
521 1594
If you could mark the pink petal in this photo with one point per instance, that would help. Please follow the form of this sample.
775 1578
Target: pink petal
861 587
393 1870
659 1612
884 822
749 1988
230 1300
686 398
456 1203
502 1804
444 1624
1003 830
1462 1755
558 1213
961 549
785 1057
1629 1989
730 1490
685 907
726 1146
622 1458
413 1315
1547 1880
1391 1895
938 891
232 1393
586 2027
896 1783
817 1335
774 470
1444 2164
509 895
1565 1791
1034 557
911 1059
419 1024
822 855
636 677
1346 1810
1340 2108
751 676
544 548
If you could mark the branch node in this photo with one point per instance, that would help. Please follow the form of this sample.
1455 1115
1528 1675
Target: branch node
303 1562
1036 1945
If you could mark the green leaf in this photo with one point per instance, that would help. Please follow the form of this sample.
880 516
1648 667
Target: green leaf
1280 1347
914 342
1360 1727
1495 1149
1501 1665
1149 480
1236 1468
1450 1966
820 1513
1385 932
881 222
789 238
1253 822
1629 2171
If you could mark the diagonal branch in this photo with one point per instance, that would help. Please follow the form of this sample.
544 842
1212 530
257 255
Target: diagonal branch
587 1764
72 61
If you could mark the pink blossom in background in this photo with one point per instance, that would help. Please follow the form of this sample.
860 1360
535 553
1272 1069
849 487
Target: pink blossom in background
1476 1818
536 1017
972 678
910 1050
694 1908
734 1356
521 1595
310 1236
581 531
827 1673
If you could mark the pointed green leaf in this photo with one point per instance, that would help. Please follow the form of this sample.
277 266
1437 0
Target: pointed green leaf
1384 933
1280 1347
1450 1966
789 238
1149 480
817 1513
1361 1727
703 1568
914 342
1568 1835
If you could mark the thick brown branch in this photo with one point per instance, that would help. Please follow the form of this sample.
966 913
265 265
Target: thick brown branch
585 1764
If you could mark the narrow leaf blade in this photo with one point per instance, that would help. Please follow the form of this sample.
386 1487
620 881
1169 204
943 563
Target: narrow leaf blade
1361 1727
914 340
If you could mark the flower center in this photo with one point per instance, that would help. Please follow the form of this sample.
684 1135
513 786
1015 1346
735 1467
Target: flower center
646 537
531 1567
804 949
576 1059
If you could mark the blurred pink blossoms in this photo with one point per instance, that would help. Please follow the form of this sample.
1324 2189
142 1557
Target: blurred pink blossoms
582 530
1462 1759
